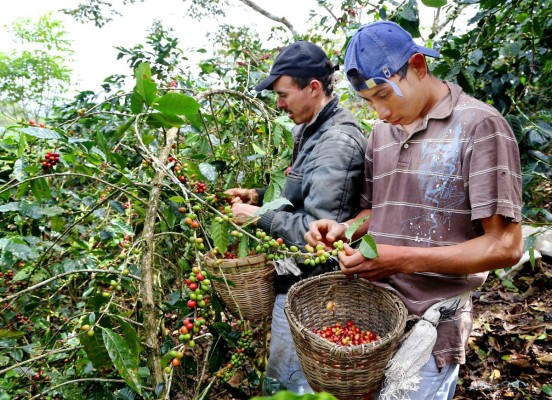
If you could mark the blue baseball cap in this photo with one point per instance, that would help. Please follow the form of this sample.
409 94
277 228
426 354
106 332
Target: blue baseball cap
377 51
301 59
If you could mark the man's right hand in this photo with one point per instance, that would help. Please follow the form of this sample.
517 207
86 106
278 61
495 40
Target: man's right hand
247 196
325 231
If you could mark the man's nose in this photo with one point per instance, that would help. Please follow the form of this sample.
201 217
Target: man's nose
280 103
382 111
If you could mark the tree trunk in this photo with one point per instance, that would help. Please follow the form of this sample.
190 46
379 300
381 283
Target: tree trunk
151 318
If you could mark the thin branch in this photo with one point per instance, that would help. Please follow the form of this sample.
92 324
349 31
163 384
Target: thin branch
79 271
30 360
281 20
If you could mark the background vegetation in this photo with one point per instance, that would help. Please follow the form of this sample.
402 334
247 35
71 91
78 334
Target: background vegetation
110 201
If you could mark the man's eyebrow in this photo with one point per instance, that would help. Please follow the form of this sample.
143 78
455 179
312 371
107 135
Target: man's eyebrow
378 91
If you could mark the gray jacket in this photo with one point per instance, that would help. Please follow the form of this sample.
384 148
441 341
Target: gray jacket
326 175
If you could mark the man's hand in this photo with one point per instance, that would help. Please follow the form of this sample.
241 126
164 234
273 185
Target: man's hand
388 262
243 213
247 196
325 231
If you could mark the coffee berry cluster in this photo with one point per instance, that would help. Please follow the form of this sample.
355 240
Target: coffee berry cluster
238 357
318 254
189 328
346 335
277 249
10 285
199 286
49 161
175 357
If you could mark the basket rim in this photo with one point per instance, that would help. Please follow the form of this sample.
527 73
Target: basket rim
251 259
334 348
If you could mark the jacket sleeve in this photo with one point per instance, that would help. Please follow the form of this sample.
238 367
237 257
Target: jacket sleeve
331 183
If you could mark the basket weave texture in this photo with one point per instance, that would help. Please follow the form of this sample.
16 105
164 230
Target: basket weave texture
245 285
347 372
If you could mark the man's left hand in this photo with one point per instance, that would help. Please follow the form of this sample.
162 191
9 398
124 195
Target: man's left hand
244 213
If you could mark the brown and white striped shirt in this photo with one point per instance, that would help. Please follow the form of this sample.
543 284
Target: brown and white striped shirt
431 187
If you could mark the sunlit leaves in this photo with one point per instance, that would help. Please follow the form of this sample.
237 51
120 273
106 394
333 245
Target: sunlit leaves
176 104
145 86
434 3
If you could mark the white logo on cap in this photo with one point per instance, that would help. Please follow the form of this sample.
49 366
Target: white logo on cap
371 83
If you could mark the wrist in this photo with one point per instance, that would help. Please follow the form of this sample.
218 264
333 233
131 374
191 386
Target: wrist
253 197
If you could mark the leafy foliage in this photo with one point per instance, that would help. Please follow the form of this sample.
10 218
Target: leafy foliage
33 79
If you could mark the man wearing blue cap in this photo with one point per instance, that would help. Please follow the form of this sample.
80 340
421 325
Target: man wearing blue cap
324 181
443 192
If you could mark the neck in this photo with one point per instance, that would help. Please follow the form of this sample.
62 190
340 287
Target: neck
435 90
319 106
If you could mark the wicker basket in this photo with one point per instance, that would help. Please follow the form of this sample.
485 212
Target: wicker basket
245 285
347 372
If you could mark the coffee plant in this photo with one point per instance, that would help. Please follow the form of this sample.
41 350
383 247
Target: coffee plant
109 209
108 216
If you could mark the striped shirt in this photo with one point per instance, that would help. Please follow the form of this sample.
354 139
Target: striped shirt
431 187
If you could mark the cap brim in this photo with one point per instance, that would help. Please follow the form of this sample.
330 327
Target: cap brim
266 83
371 83
429 52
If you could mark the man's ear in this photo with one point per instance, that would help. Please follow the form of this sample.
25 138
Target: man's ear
315 86
418 64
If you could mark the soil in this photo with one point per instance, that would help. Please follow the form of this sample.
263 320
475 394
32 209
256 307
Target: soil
510 348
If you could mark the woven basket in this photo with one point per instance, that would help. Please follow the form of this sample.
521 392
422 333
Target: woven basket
245 285
347 372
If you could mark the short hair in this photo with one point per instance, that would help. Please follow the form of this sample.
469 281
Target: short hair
326 80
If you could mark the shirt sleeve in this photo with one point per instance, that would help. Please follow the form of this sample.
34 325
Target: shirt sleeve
493 168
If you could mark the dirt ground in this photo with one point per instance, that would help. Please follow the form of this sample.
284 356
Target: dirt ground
510 348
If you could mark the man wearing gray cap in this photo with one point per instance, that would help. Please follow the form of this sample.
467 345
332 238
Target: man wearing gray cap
443 192
324 181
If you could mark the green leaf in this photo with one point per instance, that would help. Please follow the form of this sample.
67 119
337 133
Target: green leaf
131 338
74 392
275 187
434 3
272 386
258 150
273 205
136 102
103 146
122 357
177 199
12 206
208 171
95 349
123 128
41 133
176 104
18 173
22 146
368 247
23 274
243 248
41 189
145 86
9 334
220 236
547 390
158 120
354 226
